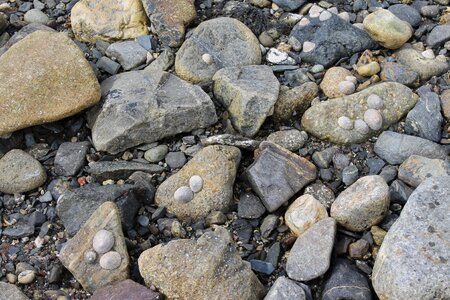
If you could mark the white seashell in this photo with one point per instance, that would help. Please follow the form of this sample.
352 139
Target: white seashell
196 183
103 241
183 194
110 260
345 123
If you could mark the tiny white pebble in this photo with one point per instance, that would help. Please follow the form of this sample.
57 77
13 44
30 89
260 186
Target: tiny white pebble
26 277
345 16
345 123
304 22
308 46
110 260
196 183
346 87
315 9
325 15
428 54
207 58
361 127
374 102
374 119
183 194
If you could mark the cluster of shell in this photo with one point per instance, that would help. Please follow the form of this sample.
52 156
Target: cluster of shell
348 86
102 244
186 193
373 118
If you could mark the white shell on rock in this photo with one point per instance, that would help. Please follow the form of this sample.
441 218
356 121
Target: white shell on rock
374 119
90 256
375 102
346 87
428 54
110 260
351 79
361 126
183 194
308 46
103 241
196 183
345 123
325 15
207 58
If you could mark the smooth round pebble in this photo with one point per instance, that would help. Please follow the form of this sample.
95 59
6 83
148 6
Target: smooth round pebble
110 260
26 277
361 126
308 46
374 102
103 241
207 58
317 68
196 183
346 87
90 256
183 194
156 154
345 123
374 119
36 16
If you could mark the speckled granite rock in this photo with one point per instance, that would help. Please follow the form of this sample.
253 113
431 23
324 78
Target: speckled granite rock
127 289
11 292
297 99
425 67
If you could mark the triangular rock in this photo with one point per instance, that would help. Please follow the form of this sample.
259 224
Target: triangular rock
109 261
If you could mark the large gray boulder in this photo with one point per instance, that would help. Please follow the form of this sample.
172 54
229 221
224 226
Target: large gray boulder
143 107
413 261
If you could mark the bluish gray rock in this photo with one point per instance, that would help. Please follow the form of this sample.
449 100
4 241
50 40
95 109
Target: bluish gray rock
115 170
406 13
413 261
129 54
70 158
11 292
439 35
289 5
285 289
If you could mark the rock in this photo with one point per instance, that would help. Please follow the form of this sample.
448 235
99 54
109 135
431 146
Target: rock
395 148
330 83
350 174
310 256
156 154
19 230
129 54
228 41
75 207
438 36
115 170
285 289
26 277
392 71
250 207
248 93
265 39
423 224
291 139
20 172
175 160
445 103
303 213
358 249
289 5
416 169
163 62
390 31
110 21
406 13
268 225
24 32
369 69
94 275
231 140
142 107
346 282
49 69
297 99
323 158
290 173
11 292
169 19
276 57
347 39
213 269
362 205
321 120
36 16
70 158
3 22
425 119
108 65
217 166
425 67
126 289
429 11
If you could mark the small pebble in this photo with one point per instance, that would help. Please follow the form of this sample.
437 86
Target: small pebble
346 87
156 154
308 46
374 102
110 260
317 68
428 54
196 183
183 194
361 126
304 22
374 119
325 15
90 256
207 58
345 123
26 277
103 241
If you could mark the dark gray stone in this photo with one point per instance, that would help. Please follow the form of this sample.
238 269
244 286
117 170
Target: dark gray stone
115 170
3 22
438 36
406 13
143 186
425 119
147 42
413 261
250 207
273 254
129 54
399 73
175 160
268 225
75 207
243 229
108 65
310 256
334 39
143 107
262 266
375 165
19 230
70 158
323 158
429 11
346 282
399 192
285 289
163 62
340 161
288 174
289 5
350 174
56 273
395 148
296 77
389 173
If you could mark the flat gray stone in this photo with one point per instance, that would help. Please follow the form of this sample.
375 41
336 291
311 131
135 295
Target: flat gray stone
439 35
413 261
395 147
143 107
115 170
425 67
417 169
70 158
11 292
291 139
129 54
285 289
310 256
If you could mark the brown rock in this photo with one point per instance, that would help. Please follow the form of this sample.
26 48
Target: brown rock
75 252
206 269
445 104
358 249
303 213
297 99
331 80
169 19
108 20
378 235
127 289
416 169
45 78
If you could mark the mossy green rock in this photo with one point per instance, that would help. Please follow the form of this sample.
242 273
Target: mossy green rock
321 120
